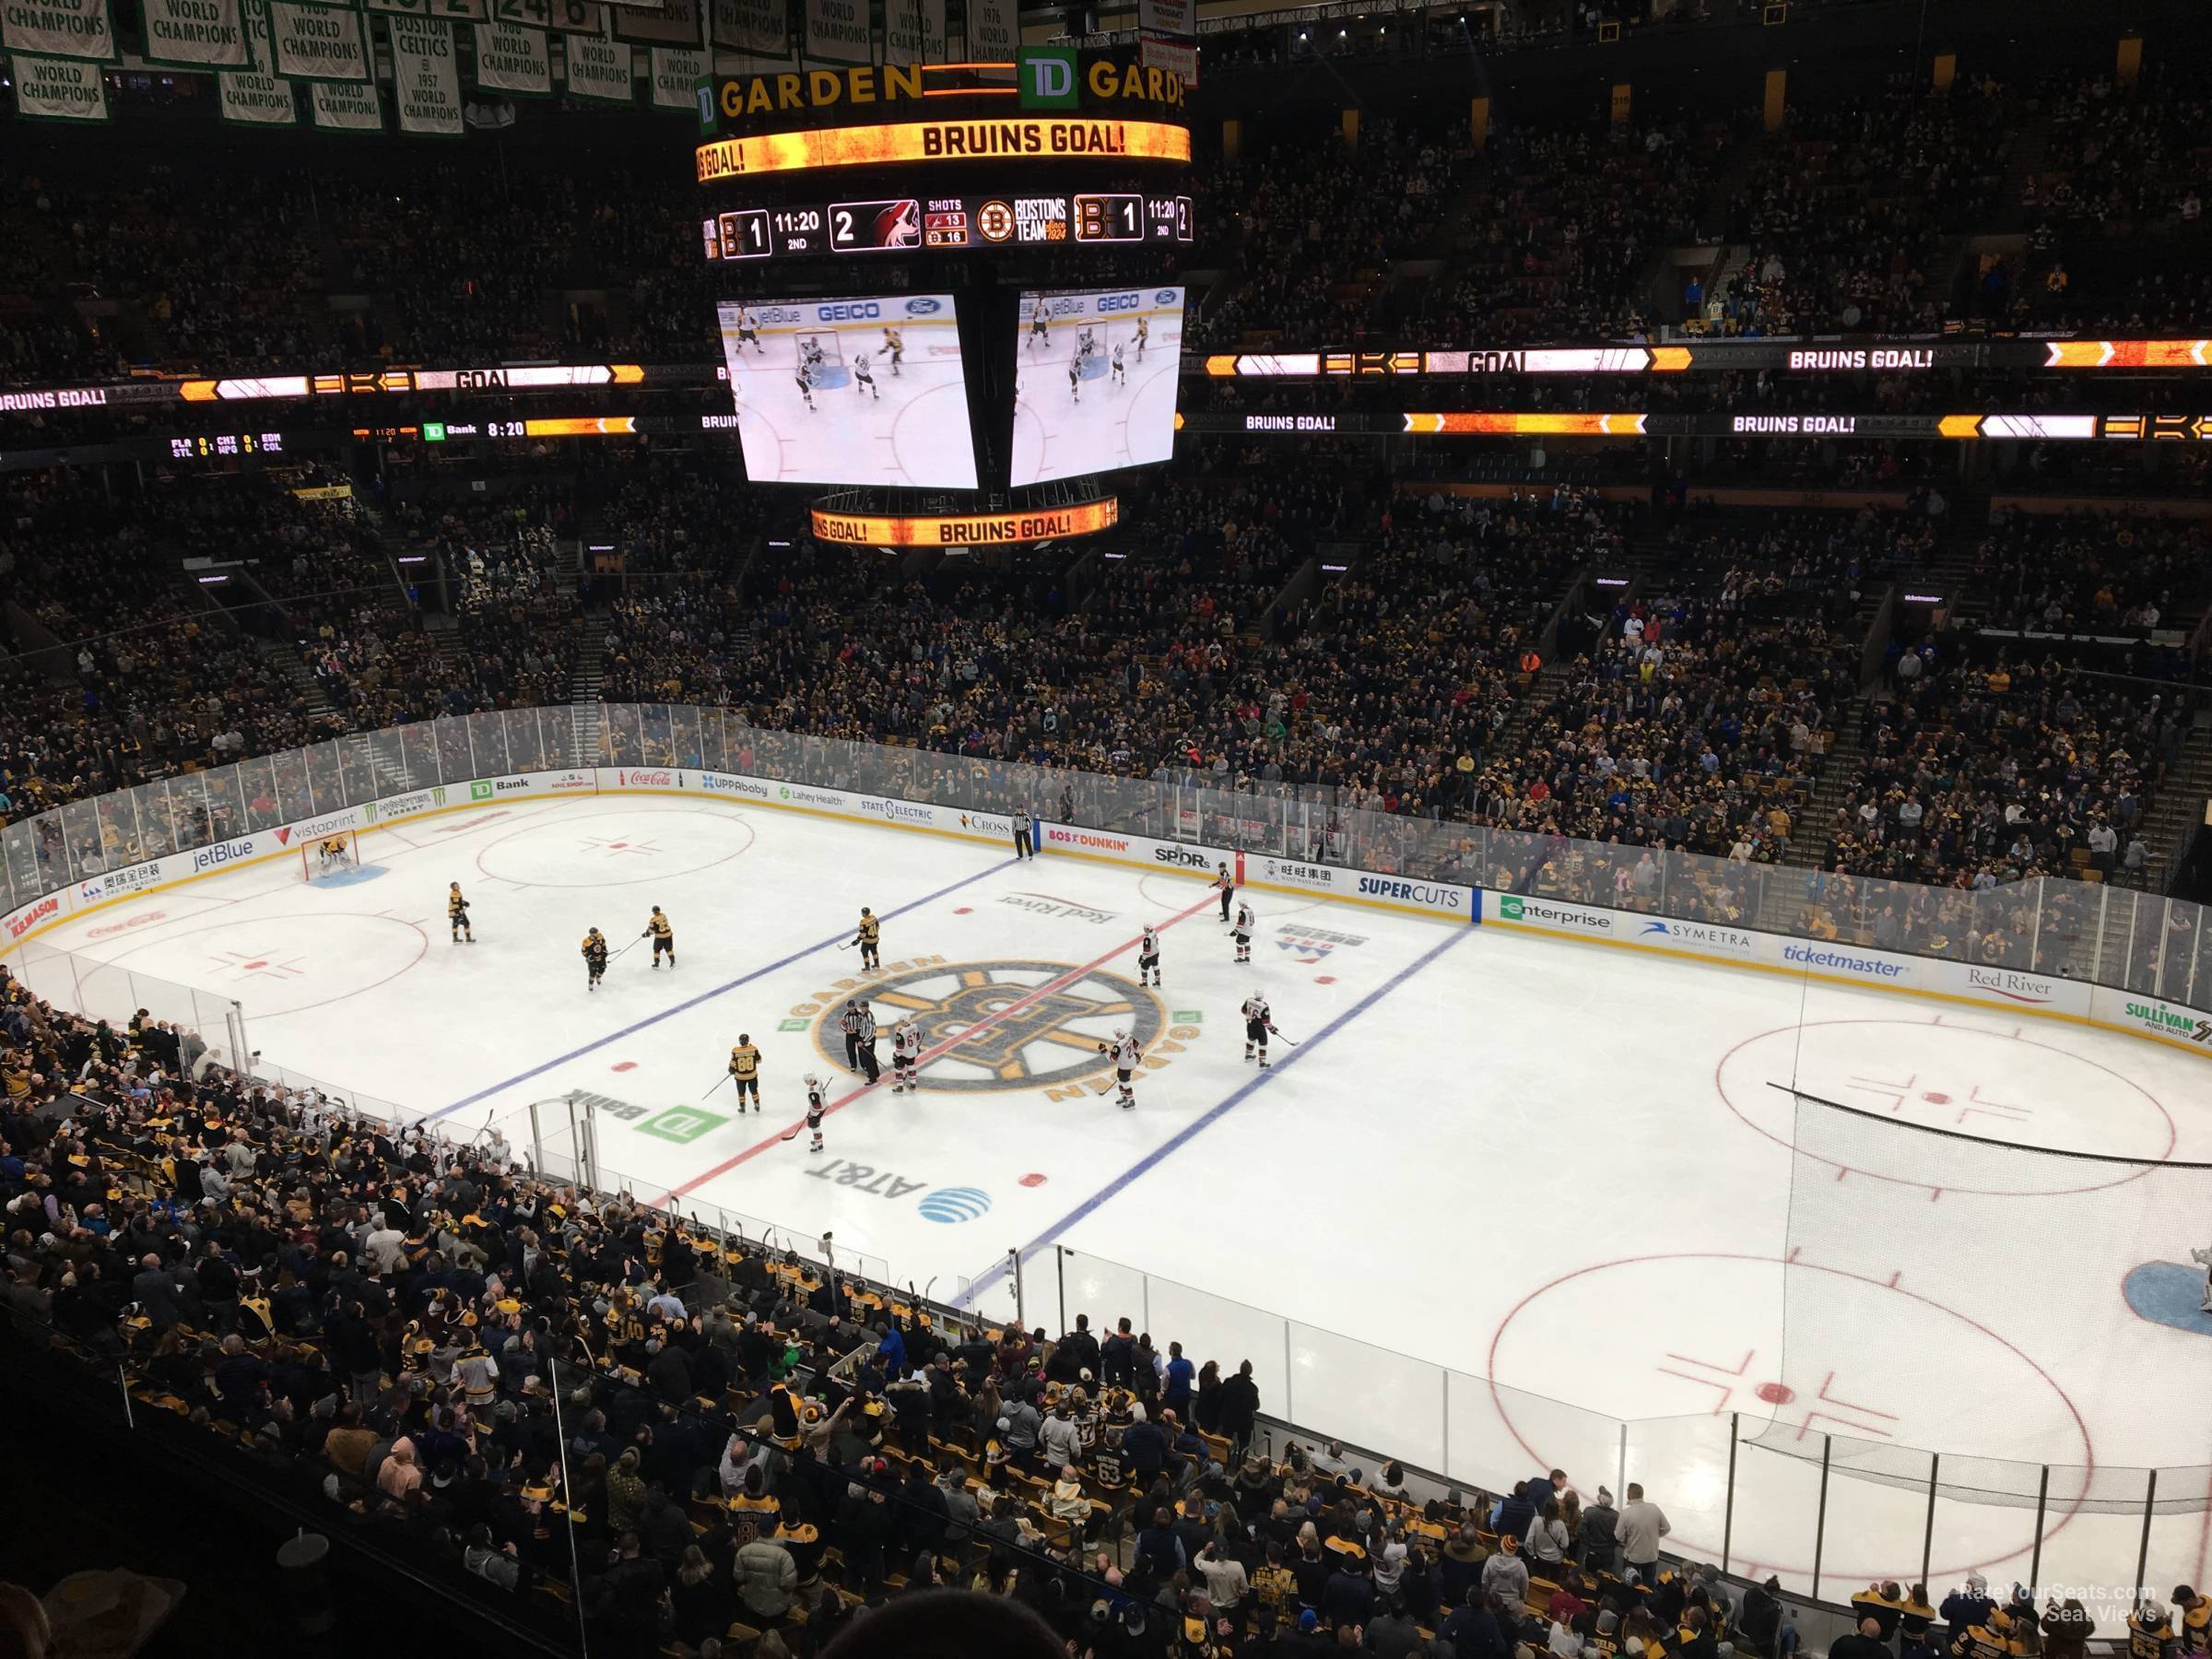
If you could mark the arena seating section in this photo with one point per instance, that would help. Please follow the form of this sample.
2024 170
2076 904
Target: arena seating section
1510 645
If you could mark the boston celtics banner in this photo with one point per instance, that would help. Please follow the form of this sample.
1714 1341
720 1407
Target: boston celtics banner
599 69
195 34
347 107
837 30
71 29
758 28
59 88
319 43
426 77
513 60
674 73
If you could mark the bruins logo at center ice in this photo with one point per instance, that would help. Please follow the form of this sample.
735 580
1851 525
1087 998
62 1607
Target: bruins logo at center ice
1051 1043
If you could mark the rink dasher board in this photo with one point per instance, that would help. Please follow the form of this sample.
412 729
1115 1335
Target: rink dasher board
2043 996
1434 900
2010 990
172 870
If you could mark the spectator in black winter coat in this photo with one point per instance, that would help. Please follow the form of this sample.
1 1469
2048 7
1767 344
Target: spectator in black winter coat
1146 1447
1348 1598
1473 1630
1239 1408
1761 1626
1597 1548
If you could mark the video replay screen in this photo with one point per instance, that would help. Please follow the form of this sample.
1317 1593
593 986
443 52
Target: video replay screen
1094 381
864 390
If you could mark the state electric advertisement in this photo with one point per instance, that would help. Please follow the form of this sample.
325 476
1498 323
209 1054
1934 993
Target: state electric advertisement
1094 381
858 391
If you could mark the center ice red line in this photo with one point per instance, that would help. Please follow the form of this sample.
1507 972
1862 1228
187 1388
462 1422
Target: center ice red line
928 1054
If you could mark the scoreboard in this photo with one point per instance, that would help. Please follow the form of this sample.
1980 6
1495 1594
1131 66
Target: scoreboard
919 224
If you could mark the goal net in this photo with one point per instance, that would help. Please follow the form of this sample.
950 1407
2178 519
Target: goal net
825 342
1953 1306
330 857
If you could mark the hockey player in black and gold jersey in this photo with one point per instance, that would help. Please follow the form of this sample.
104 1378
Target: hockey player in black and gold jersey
663 936
595 959
744 1069
866 938
457 914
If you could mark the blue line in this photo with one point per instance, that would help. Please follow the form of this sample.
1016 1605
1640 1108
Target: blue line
704 996
1192 1130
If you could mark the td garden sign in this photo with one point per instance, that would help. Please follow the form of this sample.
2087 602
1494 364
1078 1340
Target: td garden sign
1044 106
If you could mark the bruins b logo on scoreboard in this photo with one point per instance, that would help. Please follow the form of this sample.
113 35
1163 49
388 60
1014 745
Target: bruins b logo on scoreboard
1015 1039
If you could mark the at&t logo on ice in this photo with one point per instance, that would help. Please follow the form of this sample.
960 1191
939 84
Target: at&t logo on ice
950 1204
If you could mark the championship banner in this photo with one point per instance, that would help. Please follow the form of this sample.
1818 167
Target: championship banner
513 60
758 28
426 78
317 43
347 107
903 31
674 73
837 30
435 11
59 90
677 23
936 40
70 29
992 33
562 17
251 100
599 69
195 34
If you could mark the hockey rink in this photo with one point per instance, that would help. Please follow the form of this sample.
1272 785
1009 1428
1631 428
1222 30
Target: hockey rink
1549 1182
863 418
1100 420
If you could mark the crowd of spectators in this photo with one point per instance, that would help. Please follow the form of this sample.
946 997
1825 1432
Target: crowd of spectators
1311 223
120 673
518 617
1561 222
2084 573
1847 207
1987 768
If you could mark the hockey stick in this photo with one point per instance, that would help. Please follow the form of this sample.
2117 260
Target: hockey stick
1288 1042
848 943
718 1083
626 950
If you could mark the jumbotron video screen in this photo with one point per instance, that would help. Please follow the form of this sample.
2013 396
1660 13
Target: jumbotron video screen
1094 381
864 390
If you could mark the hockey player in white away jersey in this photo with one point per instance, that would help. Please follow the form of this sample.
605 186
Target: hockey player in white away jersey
1126 1056
1148 957
1242 933
906 1053
1258 1022
814 1110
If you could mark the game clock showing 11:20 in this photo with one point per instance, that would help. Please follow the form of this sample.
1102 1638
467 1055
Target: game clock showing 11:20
916 224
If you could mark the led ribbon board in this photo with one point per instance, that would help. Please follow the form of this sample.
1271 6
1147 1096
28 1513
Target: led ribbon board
1020 138
974 529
